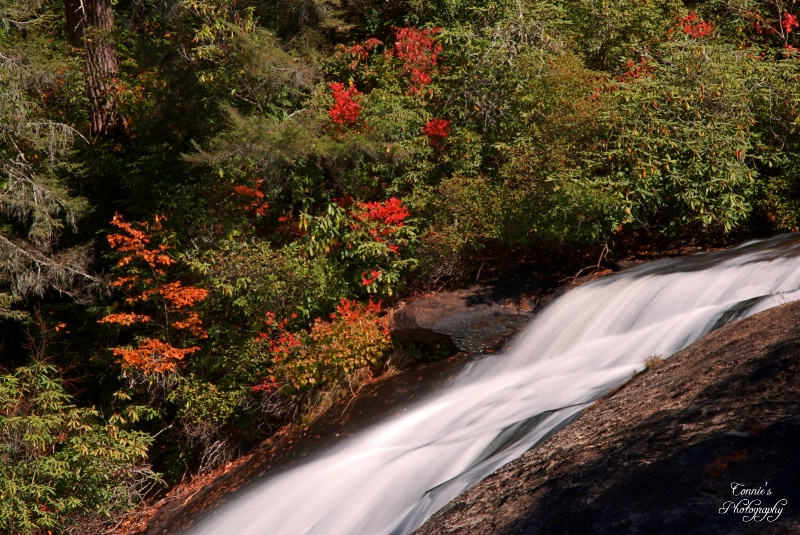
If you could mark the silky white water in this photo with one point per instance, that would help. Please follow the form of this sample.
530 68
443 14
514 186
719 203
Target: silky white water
396 474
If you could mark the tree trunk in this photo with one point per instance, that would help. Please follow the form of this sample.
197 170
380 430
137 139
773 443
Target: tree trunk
90 26
75 16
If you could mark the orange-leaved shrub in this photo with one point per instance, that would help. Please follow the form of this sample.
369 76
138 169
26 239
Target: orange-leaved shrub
355 338
252 198
163 307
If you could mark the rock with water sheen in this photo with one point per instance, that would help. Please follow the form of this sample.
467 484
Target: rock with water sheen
472 320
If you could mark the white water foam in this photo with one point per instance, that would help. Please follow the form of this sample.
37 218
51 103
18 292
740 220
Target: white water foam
396 474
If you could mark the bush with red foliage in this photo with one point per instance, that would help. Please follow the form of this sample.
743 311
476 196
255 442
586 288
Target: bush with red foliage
379 226
390 213
419 52
356 338
253 198
368 280
789 23
780 29
437 131
345 110
368 236
695 27
381 219
167 308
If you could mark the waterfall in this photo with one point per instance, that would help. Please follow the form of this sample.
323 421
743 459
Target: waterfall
394 475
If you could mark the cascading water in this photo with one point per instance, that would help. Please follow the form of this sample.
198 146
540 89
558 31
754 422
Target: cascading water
396 474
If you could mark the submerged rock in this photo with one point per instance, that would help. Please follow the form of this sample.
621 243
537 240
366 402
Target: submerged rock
663 453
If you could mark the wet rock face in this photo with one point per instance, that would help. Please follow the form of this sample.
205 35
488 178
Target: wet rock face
474 320
661 454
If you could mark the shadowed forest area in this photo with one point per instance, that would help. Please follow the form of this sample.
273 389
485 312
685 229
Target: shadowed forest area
208 206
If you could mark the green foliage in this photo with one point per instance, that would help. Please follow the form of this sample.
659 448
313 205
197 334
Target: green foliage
684 147
60 464
203 402
205 413
612 31
248 279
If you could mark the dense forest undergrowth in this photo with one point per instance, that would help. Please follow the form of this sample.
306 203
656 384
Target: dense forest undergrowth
207 207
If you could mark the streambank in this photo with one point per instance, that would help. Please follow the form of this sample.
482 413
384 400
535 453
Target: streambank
457 325
584 344
473 320
391 477
660 454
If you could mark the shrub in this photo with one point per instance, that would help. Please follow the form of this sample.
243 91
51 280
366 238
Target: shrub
247 278
356 338
368 236
164 308
203 414
652 361
60 464
682 148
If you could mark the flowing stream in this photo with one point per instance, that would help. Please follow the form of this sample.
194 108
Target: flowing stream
394 475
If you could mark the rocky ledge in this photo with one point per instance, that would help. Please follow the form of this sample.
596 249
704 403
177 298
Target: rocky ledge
661 454
474 320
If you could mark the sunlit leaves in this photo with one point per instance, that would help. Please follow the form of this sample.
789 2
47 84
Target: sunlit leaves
356 337
683 146
170 302
60 464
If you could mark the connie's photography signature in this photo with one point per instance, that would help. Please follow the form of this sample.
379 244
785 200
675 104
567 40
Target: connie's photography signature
753 503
